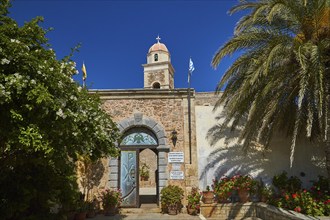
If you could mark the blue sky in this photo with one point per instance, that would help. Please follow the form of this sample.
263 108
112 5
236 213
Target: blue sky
116 36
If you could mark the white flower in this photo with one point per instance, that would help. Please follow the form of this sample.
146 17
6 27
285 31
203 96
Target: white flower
73 97
14 41
51 69
79 88
5 61
60 114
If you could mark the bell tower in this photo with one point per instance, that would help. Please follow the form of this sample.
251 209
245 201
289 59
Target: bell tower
158 72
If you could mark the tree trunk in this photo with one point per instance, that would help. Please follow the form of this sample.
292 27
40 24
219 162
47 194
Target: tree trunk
327 157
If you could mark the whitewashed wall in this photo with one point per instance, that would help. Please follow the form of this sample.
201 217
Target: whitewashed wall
227 158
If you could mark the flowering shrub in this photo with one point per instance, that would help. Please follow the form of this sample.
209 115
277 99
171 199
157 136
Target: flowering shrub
194 198
245 182
223 188
111 198
285 184
301 202
314 202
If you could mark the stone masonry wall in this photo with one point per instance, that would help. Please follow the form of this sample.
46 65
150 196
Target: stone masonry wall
237 211
168 110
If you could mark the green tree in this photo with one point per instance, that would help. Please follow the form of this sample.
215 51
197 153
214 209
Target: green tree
281 78
46 121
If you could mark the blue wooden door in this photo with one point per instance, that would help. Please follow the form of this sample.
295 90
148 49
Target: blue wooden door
129 178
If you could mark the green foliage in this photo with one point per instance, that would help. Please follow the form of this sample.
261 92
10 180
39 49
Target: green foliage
301 202
144 171
279 82
223 188
171 195
46 121
194 198
283 183
244 182
314 202
111 198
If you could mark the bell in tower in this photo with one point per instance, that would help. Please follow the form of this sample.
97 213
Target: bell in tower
158 72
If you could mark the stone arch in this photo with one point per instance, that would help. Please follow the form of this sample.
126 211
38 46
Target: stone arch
139 120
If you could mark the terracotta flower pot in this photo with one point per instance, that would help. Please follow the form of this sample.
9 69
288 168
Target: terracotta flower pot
172 210
243 195
80 216
192 211
110 211
208 197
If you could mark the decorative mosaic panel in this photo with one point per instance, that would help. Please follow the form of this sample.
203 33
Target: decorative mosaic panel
139 138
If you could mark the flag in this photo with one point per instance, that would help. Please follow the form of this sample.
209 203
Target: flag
191 69
83 69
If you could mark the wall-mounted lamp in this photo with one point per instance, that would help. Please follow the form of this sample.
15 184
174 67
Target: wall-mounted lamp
174 136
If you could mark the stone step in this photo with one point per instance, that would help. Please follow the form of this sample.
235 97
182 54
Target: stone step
140 210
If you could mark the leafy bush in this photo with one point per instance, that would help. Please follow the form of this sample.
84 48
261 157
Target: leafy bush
171 196
111 198
283 183
223 188
194 198
314 202
46 121
245 182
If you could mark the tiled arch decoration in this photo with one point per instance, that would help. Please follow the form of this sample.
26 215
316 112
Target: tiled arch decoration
139 120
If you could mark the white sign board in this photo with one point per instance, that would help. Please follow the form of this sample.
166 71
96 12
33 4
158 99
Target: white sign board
176 166
175 157
176 175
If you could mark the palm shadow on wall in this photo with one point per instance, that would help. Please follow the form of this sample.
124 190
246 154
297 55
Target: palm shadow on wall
228 157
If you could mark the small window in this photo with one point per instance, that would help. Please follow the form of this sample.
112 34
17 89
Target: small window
156 85
156 57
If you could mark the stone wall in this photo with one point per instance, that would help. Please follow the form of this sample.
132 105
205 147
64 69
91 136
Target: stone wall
231 211
169 108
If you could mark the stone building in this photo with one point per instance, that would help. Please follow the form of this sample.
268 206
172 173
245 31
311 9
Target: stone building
154 122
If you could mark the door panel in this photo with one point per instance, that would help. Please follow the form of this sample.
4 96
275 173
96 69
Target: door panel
129 178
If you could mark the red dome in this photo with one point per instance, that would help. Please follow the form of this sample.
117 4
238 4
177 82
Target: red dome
158 47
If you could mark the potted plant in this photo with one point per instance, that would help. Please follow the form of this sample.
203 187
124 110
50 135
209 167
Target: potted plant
171 197
223 189
266 193
81 210
90 209
193 197
244 186
208 195
144 172
111 200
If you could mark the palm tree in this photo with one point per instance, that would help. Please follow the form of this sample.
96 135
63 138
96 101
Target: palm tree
281 80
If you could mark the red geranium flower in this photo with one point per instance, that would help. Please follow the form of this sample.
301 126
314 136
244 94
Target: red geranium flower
294 195
297 209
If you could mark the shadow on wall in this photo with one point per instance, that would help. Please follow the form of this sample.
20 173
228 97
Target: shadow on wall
227 157
90 175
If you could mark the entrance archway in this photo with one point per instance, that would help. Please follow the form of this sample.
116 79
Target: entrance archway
140 132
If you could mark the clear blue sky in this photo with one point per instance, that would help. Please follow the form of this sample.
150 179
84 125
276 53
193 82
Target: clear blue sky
116 35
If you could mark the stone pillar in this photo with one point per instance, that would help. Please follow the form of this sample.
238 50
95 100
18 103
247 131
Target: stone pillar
114 173
162 170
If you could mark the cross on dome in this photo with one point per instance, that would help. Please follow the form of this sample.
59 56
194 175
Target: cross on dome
158 39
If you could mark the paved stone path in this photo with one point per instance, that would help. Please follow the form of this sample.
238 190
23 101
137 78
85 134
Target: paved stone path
148 216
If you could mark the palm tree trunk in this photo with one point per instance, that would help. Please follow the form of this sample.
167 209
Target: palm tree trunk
327 141
327 155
